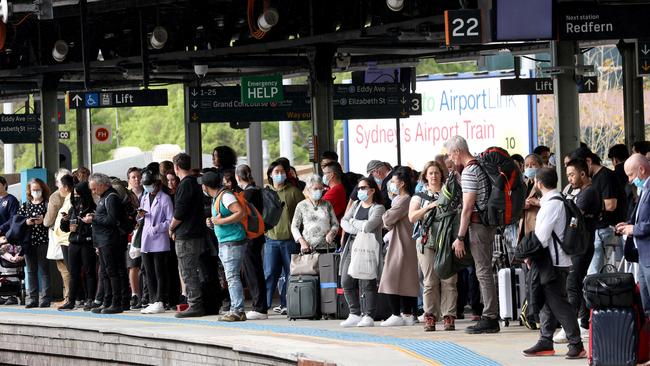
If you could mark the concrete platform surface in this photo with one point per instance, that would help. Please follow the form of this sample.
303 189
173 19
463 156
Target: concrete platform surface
279 339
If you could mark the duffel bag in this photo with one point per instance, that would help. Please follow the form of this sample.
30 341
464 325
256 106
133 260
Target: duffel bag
609 290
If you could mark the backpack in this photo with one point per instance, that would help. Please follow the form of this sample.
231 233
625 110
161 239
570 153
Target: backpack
273 208
576 235
507 191
252 220
127 219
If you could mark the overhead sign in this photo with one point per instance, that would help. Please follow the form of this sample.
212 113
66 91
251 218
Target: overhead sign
590 21
20 128
64 135
530 86
261 89
117 98
469 107
462 27
101 134
587 84
350 101
524 20
643 56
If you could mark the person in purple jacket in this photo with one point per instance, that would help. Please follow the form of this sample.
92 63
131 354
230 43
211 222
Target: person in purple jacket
155 214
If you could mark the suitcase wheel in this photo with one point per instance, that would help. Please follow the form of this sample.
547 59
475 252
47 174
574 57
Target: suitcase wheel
506 323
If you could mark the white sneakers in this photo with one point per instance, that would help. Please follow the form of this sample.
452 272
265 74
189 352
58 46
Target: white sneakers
393 321
155 308
256 315
352 321
560 336
409 320
366 321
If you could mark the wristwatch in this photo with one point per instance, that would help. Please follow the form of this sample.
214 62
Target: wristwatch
461 238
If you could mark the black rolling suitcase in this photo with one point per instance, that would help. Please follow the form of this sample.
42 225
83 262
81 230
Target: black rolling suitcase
303 297
613 337
332 300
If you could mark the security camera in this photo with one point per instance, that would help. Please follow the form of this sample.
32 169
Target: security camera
201 70
343 61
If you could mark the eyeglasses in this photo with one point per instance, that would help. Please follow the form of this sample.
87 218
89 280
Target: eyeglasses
362 188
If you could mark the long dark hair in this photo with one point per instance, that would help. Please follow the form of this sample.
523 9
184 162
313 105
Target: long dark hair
227 157
85 201
377 196
404 174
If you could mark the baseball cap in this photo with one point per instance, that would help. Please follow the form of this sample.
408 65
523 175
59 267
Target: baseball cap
210 179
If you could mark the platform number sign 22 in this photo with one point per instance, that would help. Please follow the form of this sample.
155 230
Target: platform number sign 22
462 27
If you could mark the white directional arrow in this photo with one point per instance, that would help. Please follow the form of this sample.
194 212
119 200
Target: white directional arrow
589 84
403 100
77 99
645 50
194 105
194 93
403 88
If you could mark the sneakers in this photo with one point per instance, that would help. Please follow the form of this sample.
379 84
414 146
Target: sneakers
352 321
32 304
11 300
191 313
449 322
256 315
233 317
584 334
282 310
409 320
393 321
366 321
97 310
576 352
429 322
421 318
66 306
485 325
135 304
114 309
155 308
540 349
560 337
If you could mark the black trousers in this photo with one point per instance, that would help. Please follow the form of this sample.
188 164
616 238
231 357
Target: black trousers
254 274
402 304
81 259
577 274
155 264
115 275
557 308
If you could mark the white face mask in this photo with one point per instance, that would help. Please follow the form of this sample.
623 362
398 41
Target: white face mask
37 194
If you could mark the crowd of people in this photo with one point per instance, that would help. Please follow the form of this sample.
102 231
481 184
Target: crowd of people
173 235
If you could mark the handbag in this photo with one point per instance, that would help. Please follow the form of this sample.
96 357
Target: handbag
364 257
304 264
609 290
54 251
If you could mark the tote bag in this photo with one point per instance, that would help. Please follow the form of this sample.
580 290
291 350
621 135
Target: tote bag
54 251
364 257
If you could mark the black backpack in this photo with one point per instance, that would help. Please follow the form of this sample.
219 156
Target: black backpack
128 216
576 235
273 208
507 191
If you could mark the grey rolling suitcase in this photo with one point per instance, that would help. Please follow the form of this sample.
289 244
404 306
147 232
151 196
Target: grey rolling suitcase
332 300
303 297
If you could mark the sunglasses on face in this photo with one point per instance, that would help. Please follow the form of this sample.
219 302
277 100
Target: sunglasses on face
362 188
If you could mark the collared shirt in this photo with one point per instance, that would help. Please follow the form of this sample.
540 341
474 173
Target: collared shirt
636 214
552 218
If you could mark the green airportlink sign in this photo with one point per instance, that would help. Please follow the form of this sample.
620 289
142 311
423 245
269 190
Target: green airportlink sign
261 89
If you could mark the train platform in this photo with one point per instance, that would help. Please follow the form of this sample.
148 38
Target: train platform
51 337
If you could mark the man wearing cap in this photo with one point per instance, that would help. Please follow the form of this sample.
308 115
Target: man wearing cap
381 173
188 230
225 219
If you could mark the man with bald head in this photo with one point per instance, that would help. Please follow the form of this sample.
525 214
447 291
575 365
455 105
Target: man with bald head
637 169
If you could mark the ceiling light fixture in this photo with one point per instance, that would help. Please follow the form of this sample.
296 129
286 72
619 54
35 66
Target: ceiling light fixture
268 19
158 37
395 5
60 50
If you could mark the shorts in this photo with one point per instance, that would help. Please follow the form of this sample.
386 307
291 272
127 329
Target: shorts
133 263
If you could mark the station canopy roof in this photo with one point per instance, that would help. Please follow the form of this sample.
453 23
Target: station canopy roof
107 39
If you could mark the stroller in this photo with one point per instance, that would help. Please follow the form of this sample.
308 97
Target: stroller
12 276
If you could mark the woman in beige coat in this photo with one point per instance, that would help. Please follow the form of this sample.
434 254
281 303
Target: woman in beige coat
399 280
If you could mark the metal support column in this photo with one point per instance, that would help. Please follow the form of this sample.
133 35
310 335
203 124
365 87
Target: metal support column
567 117
50 127
254 152
193 143
9 167
634 124
322 111
84 144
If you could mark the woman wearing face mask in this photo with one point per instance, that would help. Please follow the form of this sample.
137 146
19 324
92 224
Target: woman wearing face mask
155 214
364 216
279 243
317 219
399 279
81 253
531 164
38 272
60 237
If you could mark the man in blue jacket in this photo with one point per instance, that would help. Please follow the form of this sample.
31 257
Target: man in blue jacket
637 169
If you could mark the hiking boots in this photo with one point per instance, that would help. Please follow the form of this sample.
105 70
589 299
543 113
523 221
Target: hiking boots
449 322
484 325
429 322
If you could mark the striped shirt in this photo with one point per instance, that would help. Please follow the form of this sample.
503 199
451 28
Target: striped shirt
475 180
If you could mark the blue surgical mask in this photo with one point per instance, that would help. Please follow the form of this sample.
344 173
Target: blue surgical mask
362 195
326 180
378 181
639 183
392 187
316 194
279 178
148 188
530 173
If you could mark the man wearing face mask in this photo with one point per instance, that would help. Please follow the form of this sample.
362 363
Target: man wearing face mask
637 169
531 164
382 173
335 195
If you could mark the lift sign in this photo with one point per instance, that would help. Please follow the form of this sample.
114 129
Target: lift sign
261 89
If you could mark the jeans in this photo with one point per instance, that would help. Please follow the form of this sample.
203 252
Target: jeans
480 239
354 289
188 252
604 237
82 257
580 264
38 274
157 276
644 285
277 258
232 256
112 259
254 274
